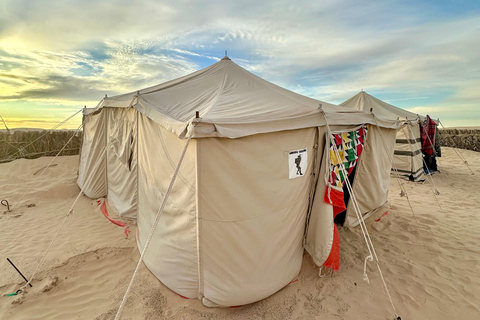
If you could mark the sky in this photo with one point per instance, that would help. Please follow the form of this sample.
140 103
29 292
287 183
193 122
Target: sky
58 56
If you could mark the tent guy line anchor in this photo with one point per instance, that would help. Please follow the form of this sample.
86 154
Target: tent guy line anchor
6 204
19 273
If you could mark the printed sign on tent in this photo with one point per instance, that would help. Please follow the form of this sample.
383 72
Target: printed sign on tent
297 163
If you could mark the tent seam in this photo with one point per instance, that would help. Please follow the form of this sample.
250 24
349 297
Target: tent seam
219 91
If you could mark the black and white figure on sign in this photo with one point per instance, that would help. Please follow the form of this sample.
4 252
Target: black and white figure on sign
297 163
298 160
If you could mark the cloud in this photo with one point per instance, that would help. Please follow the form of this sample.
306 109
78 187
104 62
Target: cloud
78 76
74 51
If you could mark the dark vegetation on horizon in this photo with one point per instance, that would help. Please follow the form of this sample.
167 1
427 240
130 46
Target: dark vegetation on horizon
460 138
35 144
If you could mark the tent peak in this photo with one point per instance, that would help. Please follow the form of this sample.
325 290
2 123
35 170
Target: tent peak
226 57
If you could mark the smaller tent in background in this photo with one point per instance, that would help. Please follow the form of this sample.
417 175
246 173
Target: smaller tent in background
408 159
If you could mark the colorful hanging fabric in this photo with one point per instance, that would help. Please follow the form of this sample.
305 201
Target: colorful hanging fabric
427 132
349 146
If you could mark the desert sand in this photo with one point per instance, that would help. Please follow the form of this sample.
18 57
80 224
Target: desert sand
430 258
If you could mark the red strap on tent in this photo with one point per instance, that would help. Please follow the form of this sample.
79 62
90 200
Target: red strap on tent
104 210
383 215
181 295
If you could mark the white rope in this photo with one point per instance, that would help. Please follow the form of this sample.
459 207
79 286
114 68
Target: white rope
433 186
154 226
363 226
458 153
403 192
34 181
61 226
365 276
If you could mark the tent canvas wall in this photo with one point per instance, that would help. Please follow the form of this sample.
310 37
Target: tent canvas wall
233 229
408 159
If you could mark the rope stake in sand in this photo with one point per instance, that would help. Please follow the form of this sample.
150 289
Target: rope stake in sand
19 271
363 226
154 226
6 204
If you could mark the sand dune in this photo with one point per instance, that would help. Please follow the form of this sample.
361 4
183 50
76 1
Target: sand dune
430 258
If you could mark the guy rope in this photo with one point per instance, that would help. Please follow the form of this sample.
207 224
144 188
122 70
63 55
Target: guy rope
372 254
403 192
69 212
157 218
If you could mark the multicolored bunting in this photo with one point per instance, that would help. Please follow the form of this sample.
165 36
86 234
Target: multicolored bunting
349 146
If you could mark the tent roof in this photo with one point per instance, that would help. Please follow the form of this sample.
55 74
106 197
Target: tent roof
364 101
232 102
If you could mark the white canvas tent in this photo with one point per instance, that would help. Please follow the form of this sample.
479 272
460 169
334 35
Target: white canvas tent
234 227
408 159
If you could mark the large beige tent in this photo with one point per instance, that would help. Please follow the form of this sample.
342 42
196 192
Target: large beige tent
408 159
238 218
